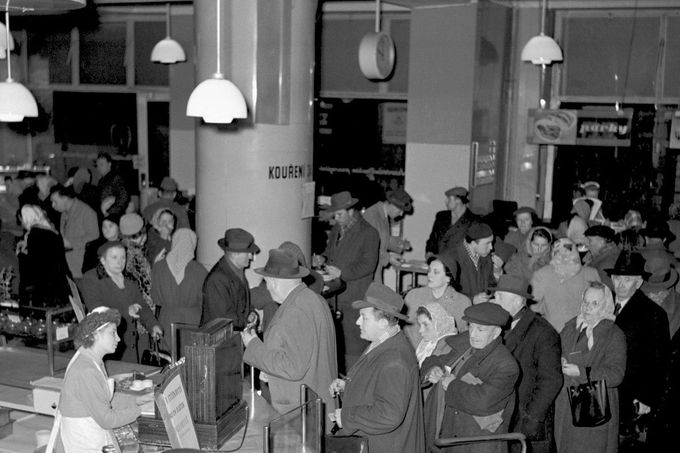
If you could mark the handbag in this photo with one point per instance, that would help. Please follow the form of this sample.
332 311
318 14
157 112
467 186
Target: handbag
154 356
589 403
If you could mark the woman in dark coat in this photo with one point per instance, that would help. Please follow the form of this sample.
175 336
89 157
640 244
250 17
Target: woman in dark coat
42 261
109 285
177 282
591 340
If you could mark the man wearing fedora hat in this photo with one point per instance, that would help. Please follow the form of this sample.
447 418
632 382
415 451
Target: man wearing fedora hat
167 194
645 326
351 256
535 345
299 343
381 397
451 224
659 285
397 203
225 291
474 383
657 234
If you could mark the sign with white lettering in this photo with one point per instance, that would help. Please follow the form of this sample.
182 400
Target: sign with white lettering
171 399
587 127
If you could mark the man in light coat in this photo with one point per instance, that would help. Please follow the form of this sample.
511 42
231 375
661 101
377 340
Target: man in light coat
299 344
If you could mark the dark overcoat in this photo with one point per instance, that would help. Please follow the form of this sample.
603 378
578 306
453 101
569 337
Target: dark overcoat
535 345
446 236
645 326
382 399
607 360
468 279
225 295
498 371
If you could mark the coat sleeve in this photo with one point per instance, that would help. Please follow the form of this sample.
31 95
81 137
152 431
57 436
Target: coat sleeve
89 290
122 197
432 244
367 256
659 348
387 410
549 378
289 354
613 365
146 316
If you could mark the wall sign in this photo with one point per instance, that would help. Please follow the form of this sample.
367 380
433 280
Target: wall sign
171 399
580 127
552 127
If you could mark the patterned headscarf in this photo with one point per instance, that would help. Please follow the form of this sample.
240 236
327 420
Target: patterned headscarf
444 324
32 215
181 253
565 258
589 321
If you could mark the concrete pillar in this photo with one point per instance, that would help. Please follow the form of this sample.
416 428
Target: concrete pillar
250 174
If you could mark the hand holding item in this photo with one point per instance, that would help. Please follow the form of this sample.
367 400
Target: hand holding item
253 320
435 375
338 417
156 332
318 261
497 262
570 369
160 256
396 260
337 386
333 271
133 310
247 336
446 380
469 378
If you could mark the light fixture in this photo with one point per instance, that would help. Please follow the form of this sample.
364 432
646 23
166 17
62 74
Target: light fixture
167 50
3 41
217 100
542 49
16 102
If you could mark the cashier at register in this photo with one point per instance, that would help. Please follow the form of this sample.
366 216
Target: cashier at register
88 407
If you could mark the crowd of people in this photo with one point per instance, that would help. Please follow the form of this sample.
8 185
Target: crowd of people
512 316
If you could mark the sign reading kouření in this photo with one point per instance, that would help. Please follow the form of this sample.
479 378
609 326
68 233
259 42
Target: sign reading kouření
290 171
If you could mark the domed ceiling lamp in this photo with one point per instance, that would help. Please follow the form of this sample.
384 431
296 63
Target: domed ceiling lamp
3 41
167 50
16 102
217 100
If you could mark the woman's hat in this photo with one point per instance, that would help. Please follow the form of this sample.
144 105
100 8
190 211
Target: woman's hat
282 264
94 321
239 241
628 263
514 284
383 298
340 200
661 275
131 224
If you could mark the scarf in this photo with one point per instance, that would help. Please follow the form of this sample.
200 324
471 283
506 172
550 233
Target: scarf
536 257
32 215
444 325
589 321
181 253
565 259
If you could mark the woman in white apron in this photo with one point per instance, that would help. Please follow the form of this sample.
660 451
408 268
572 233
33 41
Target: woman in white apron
88 408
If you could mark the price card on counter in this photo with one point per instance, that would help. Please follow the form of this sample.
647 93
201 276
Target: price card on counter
62 333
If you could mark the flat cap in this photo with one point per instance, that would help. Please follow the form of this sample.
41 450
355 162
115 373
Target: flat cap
460 192
168 184
401 199
479 231
486 314
601 231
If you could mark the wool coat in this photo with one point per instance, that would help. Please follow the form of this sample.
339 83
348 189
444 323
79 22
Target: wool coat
607 360
298 348
467 278
113 185
645 326
382 399
377 218
178 302
356 255
666 422
79 226
498 371
97 289
444 235
226 295
536 346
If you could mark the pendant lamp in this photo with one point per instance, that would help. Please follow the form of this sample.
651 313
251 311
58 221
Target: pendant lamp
167 50
16 102
542 49
3 41
217 100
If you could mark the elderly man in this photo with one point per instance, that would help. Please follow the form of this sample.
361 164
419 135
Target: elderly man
645 326
450 225
78 225
167 195
225 291
524 219
475 383
660 286
602 251
472 264
657 234
113 194
397 203
535 344
381 394
299 344
351 256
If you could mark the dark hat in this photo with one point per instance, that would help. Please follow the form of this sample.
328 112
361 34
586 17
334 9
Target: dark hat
601 231
109 245
460 192
168 184
514 284
525 210
383 298
239 241
478 231
401 199
661 275
503 250
282 264
131 224
486 314
340 200
657 228
628 263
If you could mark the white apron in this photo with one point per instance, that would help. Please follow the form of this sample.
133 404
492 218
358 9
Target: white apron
81 434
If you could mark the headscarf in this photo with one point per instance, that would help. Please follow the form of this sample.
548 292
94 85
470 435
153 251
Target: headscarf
32 215
156 219
181 252
591 320
534 257
444 324
582 209
565 259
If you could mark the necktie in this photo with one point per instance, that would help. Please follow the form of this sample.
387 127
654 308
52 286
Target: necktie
617 308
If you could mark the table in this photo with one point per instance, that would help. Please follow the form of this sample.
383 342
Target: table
414 268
